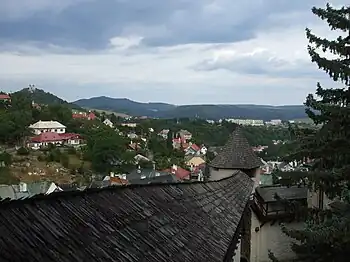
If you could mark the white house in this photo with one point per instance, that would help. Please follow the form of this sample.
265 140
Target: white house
46 138
108 122
204 150
129 124
47 126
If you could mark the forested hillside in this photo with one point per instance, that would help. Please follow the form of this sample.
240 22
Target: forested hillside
162 110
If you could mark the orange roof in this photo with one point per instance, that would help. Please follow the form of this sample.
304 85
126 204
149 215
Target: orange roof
118 181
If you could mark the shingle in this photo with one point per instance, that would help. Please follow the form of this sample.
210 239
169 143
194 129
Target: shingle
174 222
236 154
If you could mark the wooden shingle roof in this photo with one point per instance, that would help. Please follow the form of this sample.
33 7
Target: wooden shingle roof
174 222
236 154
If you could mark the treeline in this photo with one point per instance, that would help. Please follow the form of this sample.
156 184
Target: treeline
216 134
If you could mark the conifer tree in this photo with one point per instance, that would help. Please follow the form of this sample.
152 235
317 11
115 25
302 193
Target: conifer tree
326 236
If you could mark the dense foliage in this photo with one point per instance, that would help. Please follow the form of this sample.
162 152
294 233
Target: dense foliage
326 236
216 134
39 96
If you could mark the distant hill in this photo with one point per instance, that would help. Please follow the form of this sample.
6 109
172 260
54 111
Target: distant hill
39 96
163 110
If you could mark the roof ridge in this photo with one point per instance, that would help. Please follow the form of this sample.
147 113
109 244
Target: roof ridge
66 194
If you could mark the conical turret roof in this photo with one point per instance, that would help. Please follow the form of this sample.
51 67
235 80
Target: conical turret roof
236 154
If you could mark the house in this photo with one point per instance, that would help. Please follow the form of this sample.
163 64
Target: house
132 135
5 98
185 134
25 190
84 115
180 173
180 143
148 176
140 158
203 150
36 105
195 161
164 133
192 149
46 138
113 180
286 167
47 126
108 122
129 124
267 167
134 146
176 222
198 172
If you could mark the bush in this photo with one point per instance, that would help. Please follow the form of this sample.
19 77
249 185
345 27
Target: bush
42 158
6 158
71 151
22 151
64 160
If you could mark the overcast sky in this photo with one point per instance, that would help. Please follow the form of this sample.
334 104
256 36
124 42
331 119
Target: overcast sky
177 51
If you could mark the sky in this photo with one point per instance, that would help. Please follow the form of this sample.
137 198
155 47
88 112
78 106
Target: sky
175 51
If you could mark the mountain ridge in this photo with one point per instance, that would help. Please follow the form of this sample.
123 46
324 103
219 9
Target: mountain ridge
206 111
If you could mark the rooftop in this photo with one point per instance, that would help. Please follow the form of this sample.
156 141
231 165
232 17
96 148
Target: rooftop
236 154
289 193
172 222
4 97
46 124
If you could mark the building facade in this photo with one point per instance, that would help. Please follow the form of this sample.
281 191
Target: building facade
47 126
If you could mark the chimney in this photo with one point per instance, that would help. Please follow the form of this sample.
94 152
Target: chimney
154 165
174 167
23 187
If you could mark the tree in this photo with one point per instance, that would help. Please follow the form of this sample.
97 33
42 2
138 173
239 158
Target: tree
326 233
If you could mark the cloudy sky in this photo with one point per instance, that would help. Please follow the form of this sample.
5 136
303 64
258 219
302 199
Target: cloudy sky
177 51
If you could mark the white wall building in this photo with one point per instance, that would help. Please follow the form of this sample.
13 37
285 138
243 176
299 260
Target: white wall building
47 126
108 122
246 122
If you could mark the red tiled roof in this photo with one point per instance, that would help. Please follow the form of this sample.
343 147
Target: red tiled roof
118 181
79 116
66 136
4 96
47 137
179 172
91 116
54 137
195 147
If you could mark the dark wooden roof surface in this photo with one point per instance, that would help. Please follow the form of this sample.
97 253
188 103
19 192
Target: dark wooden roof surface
175 222
236 154
269 193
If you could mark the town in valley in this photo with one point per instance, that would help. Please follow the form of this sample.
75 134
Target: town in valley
174 131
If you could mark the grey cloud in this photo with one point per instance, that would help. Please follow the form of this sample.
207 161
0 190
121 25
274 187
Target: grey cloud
90 24
263 63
